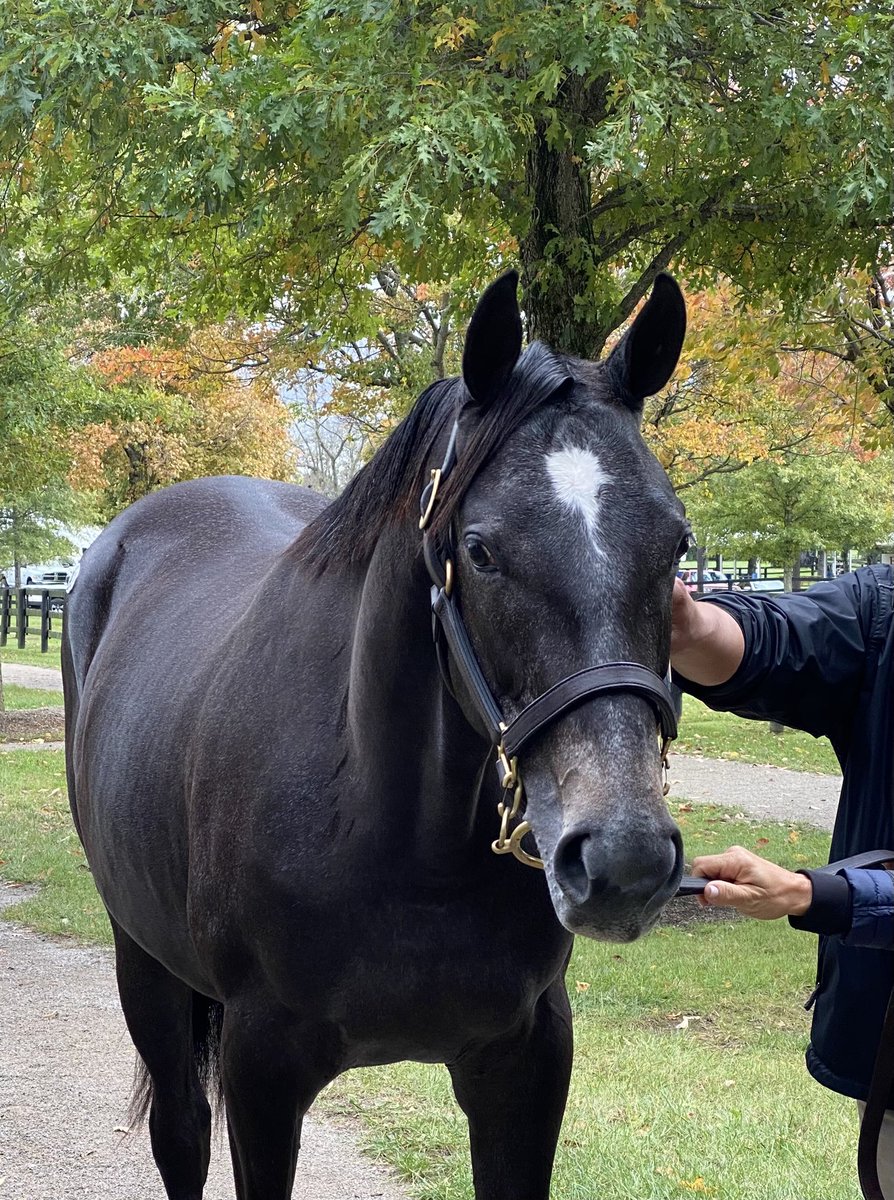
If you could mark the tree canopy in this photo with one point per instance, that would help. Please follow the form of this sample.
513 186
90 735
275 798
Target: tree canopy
189 410
277 155
43 399
775 510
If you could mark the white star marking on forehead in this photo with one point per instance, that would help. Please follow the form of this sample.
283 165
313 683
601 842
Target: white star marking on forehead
577 478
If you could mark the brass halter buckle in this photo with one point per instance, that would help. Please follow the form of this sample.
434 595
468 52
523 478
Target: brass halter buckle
665 766
506 842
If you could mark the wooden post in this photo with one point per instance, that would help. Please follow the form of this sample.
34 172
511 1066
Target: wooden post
4 614
44 621
21 617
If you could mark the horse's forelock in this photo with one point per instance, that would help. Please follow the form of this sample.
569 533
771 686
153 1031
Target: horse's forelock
387 489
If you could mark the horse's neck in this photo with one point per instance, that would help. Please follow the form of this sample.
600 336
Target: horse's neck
417 747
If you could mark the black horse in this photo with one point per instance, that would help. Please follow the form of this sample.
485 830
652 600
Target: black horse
286 808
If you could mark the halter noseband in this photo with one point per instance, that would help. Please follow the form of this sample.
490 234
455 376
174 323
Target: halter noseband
510 737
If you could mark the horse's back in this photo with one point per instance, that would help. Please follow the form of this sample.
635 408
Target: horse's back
172 556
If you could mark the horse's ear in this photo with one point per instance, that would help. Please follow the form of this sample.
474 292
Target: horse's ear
644 360
493 340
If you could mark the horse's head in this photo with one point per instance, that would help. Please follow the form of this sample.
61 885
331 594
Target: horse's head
566 540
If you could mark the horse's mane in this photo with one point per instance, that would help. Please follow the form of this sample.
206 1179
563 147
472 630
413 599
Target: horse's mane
387 489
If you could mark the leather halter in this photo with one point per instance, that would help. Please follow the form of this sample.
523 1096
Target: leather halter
510 737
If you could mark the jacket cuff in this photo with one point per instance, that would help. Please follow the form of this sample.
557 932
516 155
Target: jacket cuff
831 909
872 898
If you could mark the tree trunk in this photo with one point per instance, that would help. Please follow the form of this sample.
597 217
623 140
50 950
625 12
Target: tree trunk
787 573
752 568
16 561
557 248
700 556
796 574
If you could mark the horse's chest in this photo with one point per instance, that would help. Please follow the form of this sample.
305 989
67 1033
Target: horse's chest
423 981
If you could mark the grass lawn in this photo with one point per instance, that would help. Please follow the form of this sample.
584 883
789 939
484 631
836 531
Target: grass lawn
22 697
38 844
661 1107
722 735
31 655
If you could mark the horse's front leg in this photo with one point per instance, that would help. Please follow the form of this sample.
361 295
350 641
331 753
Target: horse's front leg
272 1067
513 1091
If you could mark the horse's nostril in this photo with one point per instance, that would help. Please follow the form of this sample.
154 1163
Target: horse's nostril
570 868
586 867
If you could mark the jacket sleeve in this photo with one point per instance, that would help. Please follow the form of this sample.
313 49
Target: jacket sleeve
857 904
872 909
805 655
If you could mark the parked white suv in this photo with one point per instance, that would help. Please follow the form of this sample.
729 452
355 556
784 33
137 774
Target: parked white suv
54 574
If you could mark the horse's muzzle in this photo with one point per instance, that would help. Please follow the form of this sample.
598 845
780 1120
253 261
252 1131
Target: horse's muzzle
614 889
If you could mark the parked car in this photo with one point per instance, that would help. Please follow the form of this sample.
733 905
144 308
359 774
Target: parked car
763 587
714 581
54 575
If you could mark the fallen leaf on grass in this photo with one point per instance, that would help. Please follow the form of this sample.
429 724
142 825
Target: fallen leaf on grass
762 842
697 1185
580 986
683 1023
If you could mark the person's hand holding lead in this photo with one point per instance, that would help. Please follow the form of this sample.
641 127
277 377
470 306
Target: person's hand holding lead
753 886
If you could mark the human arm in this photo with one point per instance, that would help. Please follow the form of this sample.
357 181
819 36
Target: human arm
804 656
707 643
754 886
856 904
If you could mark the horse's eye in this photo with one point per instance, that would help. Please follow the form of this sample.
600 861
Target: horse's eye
479 555
683 548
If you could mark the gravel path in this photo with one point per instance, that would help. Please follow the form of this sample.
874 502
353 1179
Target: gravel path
66 1064
770 793
5 747
46 679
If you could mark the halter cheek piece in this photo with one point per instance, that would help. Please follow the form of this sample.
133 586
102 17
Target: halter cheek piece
510 737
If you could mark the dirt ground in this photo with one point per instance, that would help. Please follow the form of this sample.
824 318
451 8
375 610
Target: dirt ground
66 1064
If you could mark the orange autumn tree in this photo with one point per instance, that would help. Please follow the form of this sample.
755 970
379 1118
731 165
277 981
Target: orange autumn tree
206 407
739 397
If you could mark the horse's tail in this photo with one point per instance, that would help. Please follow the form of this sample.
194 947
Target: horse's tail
207 1020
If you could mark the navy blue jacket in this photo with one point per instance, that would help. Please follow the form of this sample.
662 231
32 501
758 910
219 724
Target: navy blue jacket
823 661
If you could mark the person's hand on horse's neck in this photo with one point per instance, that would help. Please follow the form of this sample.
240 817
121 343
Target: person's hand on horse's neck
707 644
